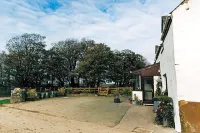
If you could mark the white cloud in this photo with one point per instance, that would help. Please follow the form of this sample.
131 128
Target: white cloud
125 25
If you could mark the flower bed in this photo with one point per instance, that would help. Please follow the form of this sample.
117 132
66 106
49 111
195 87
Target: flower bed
165 112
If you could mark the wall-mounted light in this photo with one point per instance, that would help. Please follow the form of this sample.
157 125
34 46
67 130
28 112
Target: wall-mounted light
187 6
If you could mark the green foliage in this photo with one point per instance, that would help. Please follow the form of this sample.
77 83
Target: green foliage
165 111
165 93
31 94
5 92
5 101
158 92
127 92
58 94
30 64
68 91
165 99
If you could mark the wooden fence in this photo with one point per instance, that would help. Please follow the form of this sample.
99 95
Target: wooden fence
103 91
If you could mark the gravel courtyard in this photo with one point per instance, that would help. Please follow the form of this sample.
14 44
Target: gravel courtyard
99 110
77 115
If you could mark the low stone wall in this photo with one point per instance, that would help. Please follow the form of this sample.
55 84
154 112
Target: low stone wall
17 95
20 95
190 116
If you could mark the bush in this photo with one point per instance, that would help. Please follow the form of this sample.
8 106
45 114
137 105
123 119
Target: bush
68 91
127 92
5 92
62 91
31 94
58 94
39 95
165 111
165 93
158 92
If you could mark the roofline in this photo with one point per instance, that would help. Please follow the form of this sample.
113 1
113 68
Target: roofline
166 28
157 53
184 1
146 67
168 24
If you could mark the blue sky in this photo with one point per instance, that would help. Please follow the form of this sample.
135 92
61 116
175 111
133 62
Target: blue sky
121 24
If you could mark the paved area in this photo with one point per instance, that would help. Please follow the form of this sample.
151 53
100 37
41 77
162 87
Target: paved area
141 120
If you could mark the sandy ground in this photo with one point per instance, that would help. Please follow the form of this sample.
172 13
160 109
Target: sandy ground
77 115
99 110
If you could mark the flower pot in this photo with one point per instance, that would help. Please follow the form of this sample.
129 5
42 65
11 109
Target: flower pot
165 122
116 100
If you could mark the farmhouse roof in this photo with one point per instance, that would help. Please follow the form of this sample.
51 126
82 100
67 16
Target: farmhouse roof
151 70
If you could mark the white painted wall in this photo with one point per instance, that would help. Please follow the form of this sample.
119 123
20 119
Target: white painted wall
179 59
187 50
167 66
138 93
140 81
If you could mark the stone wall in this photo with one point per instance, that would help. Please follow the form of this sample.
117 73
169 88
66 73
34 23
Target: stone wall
17 95
190 116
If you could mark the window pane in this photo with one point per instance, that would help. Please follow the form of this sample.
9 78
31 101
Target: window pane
148 95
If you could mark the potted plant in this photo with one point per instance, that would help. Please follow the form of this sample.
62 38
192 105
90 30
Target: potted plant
158 92
135 99
116 98
165 114
130 100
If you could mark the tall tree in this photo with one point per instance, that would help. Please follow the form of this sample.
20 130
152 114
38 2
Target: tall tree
122 63
25 58
95 65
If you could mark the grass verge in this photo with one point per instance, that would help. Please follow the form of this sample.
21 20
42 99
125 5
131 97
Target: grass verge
5 101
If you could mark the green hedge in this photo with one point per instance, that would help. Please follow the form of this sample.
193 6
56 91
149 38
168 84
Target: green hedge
5 92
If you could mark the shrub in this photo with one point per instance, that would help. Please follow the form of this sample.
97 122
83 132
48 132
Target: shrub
31 94
68 91
158 92
165 93
39 95
58 94
5 92
127 92
62 91
165 111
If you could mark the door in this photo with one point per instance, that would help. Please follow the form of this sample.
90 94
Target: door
148 89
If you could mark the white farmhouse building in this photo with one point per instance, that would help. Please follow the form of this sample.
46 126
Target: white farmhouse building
179 55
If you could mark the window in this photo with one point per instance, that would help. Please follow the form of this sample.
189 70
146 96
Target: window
149 81
165 80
